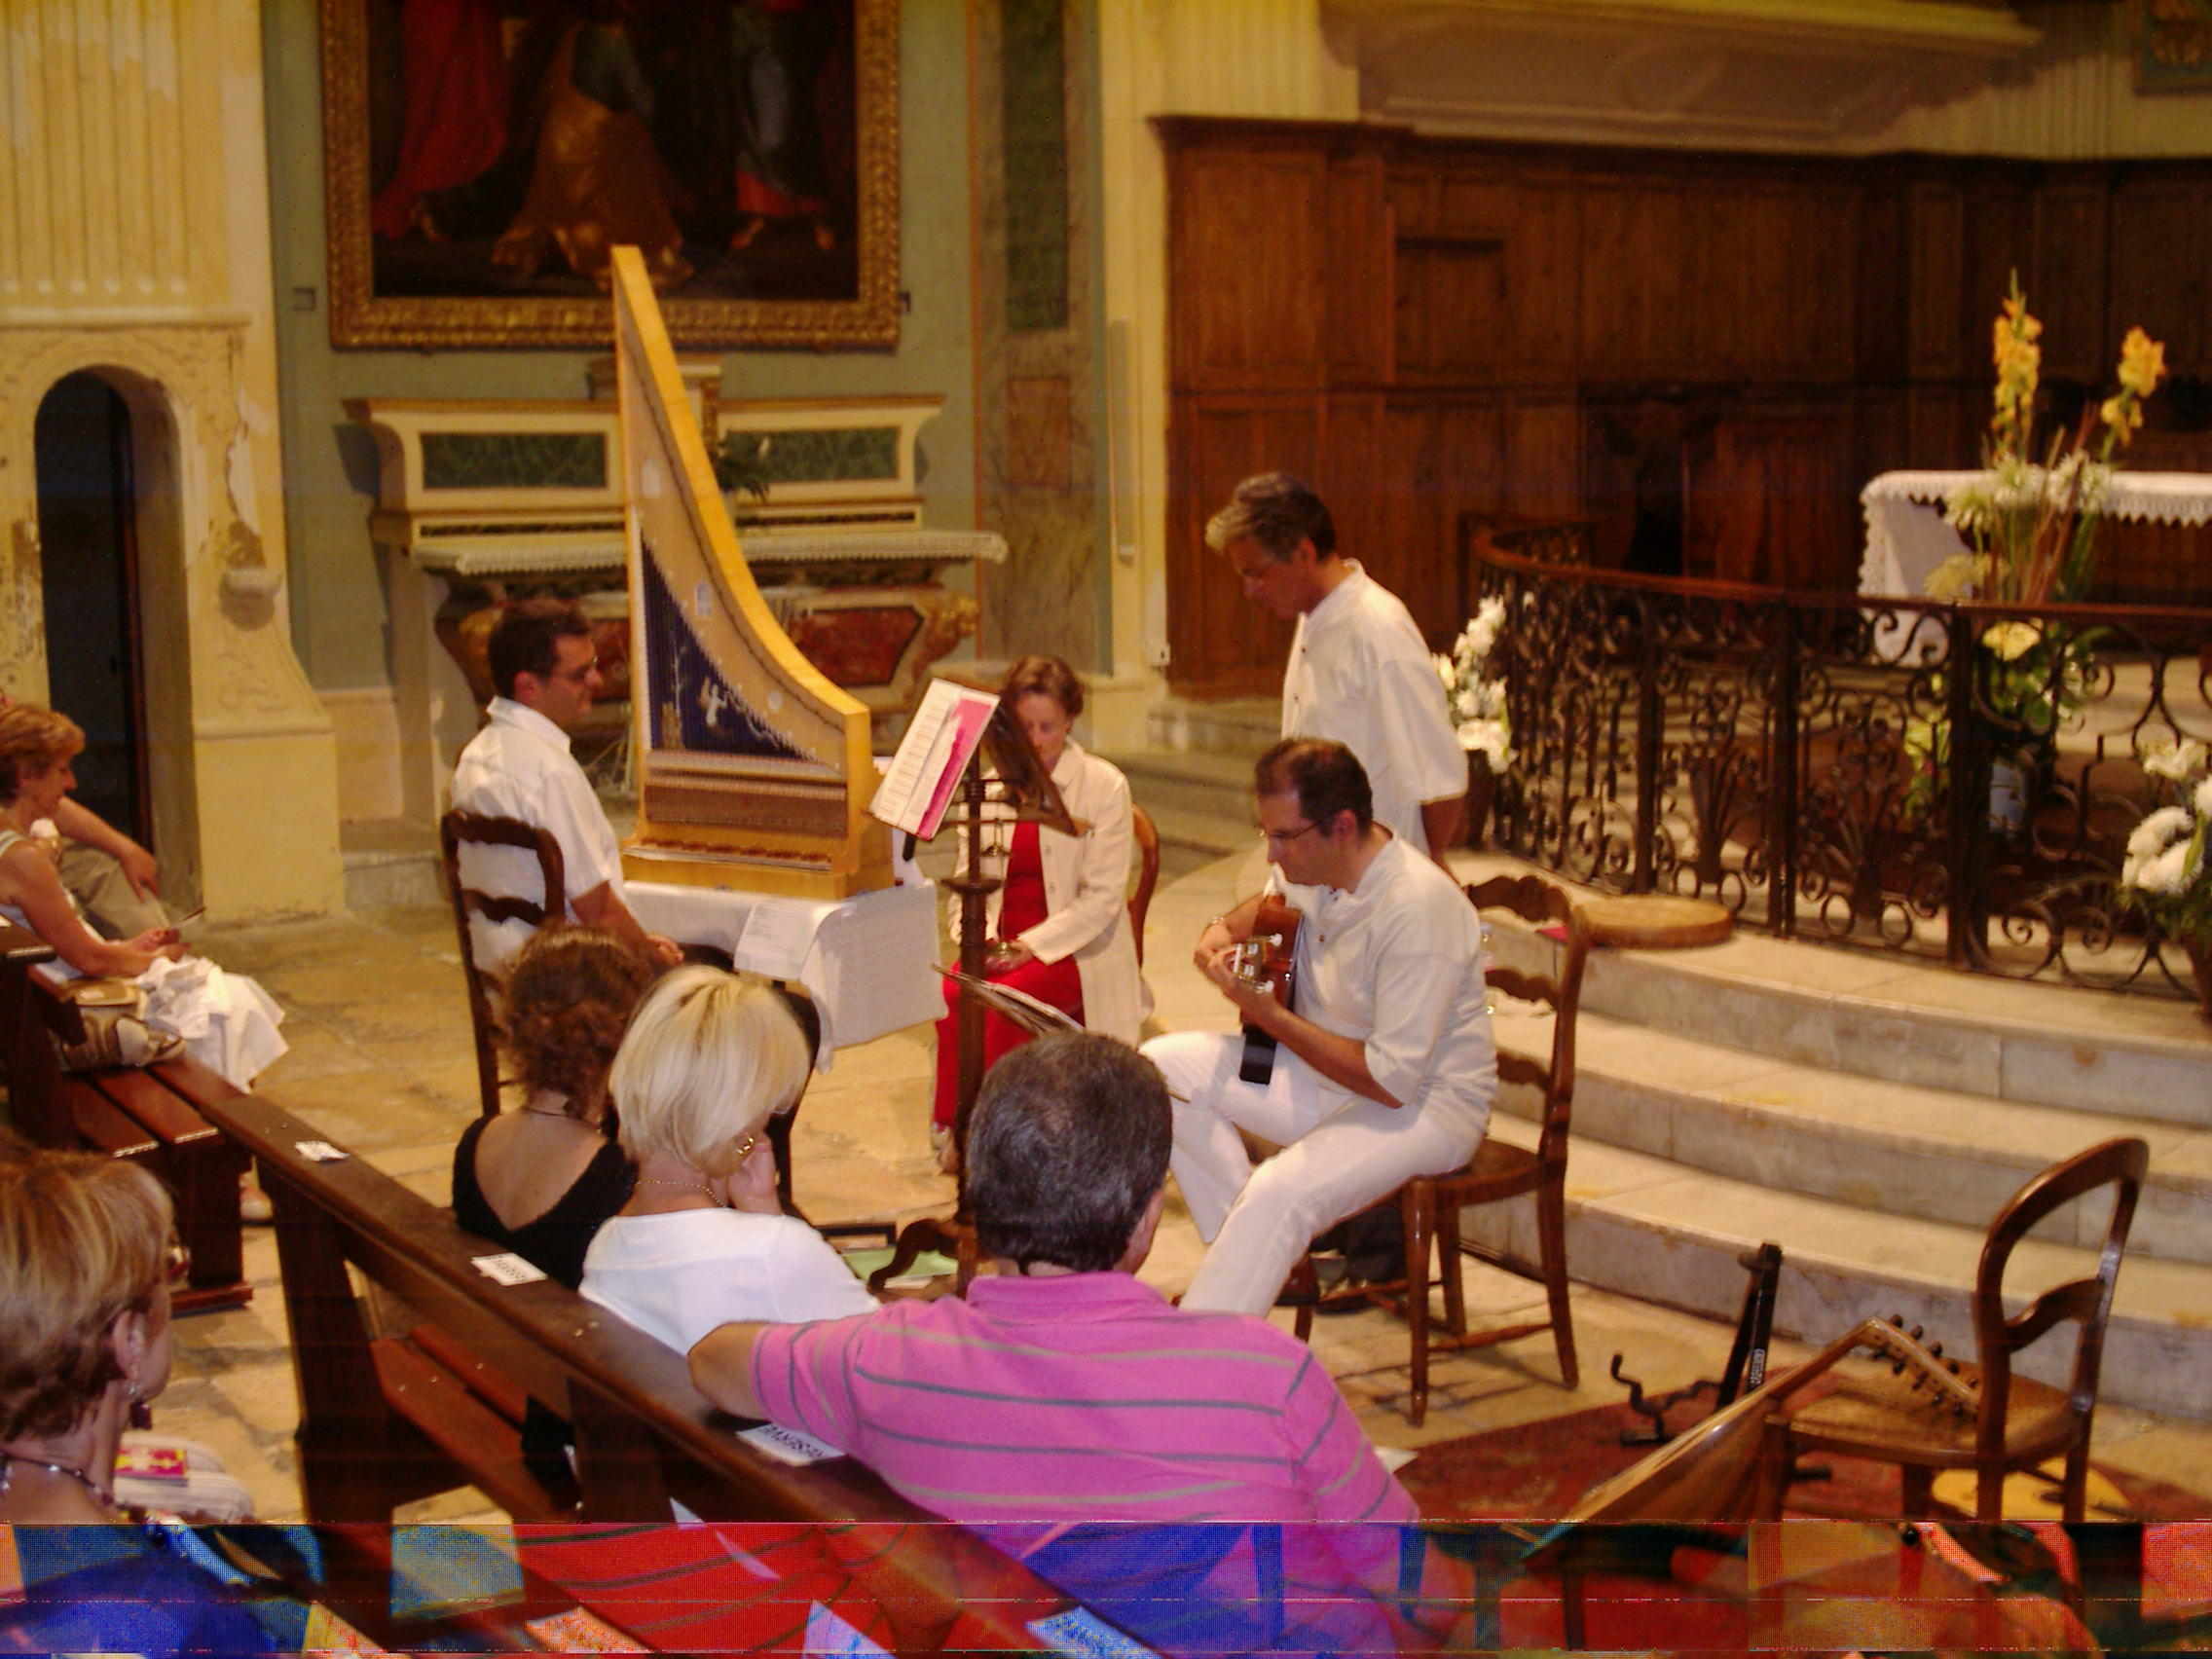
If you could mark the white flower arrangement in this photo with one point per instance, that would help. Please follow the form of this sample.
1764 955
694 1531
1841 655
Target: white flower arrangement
1475 701
2165 874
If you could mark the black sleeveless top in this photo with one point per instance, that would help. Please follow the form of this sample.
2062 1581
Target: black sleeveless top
555 1241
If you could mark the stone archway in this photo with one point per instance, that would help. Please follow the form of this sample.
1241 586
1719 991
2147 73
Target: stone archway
234 729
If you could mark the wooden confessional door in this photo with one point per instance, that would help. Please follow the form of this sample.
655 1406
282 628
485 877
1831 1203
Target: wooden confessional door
88 515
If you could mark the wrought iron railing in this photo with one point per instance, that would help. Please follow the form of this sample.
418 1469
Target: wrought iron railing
1814 763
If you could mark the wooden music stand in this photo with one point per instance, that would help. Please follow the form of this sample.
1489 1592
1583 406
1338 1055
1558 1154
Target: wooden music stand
1016 778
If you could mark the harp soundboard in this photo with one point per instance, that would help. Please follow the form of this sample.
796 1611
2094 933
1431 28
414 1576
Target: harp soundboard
754 769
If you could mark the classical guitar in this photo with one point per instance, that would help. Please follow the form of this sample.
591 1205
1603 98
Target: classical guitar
1268 960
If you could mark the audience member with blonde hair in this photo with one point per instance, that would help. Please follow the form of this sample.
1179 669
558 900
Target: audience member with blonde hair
84 1325
703 1240
225 1020
85 1254
544 1177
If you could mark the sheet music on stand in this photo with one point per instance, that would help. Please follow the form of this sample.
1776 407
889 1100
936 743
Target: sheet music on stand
1037 1017
946 730
954 721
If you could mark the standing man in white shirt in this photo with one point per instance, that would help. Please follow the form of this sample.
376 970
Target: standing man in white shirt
1359 671
545 670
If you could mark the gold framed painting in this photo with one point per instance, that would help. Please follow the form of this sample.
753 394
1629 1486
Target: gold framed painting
481 158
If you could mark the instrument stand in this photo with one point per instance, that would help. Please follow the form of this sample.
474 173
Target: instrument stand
953 1235
1747 1359
1023 782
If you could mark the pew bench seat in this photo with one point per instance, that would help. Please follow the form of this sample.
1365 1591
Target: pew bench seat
155 1115
385 1418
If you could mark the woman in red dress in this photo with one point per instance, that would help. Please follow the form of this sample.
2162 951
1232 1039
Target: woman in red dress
1059 925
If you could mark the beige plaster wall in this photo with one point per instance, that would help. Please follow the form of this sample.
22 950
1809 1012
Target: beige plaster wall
135 244
1251 57
2072 98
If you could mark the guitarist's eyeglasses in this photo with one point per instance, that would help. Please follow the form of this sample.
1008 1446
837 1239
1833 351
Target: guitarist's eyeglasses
1284 837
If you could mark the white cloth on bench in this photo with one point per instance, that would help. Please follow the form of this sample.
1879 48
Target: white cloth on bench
226 1020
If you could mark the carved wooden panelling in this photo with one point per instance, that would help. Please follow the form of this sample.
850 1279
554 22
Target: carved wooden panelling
1359 248
2158 275
1766 497
1221 644
1247 277
1705 356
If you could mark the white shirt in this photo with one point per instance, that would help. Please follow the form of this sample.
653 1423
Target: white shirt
1397 962
1361 674
677 1276
519 766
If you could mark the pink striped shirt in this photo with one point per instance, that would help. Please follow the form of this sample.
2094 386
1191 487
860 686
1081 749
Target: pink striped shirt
1087 1397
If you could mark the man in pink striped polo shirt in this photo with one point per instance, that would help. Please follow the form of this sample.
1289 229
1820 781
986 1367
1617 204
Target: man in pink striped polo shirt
1064 1392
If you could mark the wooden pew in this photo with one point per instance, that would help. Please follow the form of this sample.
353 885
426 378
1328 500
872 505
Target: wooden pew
384 1420
153 1114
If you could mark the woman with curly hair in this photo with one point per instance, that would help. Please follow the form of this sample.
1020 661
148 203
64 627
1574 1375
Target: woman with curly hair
541 1178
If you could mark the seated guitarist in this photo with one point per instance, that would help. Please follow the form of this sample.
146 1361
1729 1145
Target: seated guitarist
1385 1065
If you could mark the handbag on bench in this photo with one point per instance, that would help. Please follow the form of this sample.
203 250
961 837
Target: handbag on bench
116 1033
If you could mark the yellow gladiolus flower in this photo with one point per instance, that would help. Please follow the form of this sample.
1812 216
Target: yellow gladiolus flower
2142 362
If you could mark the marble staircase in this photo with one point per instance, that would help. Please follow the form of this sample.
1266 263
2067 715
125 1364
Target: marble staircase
1870 1116
1195 775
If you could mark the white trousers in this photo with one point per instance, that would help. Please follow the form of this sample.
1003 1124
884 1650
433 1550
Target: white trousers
1340 1153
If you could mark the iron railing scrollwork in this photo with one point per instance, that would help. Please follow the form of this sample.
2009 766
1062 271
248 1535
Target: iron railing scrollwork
1818 763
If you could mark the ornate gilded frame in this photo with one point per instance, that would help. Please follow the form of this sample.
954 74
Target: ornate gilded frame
360 318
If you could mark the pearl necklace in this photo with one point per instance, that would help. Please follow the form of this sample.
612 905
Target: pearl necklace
8 1461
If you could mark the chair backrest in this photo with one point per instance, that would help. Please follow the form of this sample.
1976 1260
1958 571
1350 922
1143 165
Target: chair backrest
1148 873
1534 899
2117 1164
454 828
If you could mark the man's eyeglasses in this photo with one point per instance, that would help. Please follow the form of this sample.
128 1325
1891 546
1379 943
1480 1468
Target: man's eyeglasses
1284 837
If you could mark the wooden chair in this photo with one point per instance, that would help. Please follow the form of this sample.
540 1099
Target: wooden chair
1148 873
2019 1422
481 829
1429 1205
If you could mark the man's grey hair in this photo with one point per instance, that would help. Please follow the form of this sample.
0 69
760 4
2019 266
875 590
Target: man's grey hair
1067 1145
1274 512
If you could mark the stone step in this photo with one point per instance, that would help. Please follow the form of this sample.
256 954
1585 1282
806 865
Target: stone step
1655 1230
1239 728
1199 837
1895 1148
389 862
2127 1056
1200 786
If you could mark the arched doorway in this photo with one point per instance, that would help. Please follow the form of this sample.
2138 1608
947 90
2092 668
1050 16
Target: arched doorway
88 523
